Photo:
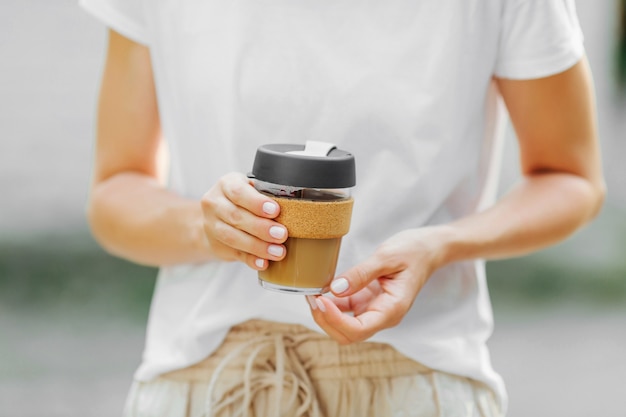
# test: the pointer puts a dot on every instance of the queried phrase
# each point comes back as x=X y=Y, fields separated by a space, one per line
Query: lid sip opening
x=312 y=165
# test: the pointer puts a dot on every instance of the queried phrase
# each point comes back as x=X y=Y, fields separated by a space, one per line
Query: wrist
x=197 y=235
x=447 y=245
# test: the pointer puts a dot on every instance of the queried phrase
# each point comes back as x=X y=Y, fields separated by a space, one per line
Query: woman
x=414 y=89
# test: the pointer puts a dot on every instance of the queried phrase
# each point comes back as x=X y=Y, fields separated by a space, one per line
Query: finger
x=216 y=206
x=356 y=303
x=360 y=276
x=351 y=328
x=239 y=189
x=319 y=311
x=229 y=254
x=344 y=304
x=239 y=218
x=244 y=246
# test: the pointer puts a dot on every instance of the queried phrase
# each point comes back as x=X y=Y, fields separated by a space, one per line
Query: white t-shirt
x=405 y=85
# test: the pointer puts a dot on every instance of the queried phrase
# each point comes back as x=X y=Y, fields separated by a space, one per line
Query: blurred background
x=72 y=318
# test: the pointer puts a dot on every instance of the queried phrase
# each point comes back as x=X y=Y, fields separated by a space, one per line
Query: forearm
x=132 y=216
x=542 y=210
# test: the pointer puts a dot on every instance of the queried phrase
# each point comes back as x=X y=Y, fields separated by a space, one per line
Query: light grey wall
x=50 y=64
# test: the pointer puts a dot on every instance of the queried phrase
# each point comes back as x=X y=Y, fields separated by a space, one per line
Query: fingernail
x=269 y=208
x=320 y=305
x=259 y=263
x=339 y=285
x=277 y=232
x=275 y=250
x=312 y=302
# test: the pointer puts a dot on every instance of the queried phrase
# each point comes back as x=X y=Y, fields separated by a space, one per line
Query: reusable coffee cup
x=312 y=185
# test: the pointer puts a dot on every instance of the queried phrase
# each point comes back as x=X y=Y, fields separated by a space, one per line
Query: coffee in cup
x=312 y=185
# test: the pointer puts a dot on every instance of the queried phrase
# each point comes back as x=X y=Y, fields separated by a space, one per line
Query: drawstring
x=287 y=373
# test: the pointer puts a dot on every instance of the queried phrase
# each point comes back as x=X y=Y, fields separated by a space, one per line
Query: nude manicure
x=320 y=305
x=277 y=232
x=269 y=208
x=275 y=250
x=339 y=285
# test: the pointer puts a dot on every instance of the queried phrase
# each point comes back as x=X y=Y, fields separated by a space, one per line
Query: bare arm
x=131 y=212
x=562 y=186
x=562 y=189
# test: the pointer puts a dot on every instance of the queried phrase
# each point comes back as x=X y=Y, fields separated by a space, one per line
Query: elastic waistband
x=263 y=344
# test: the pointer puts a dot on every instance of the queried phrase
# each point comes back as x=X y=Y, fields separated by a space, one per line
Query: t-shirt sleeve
x=124 y=16
x=538 y=38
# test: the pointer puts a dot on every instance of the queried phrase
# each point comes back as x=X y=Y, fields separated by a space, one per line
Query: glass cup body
x=312 y=248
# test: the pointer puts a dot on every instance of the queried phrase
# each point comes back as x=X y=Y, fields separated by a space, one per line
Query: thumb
x=356 y=278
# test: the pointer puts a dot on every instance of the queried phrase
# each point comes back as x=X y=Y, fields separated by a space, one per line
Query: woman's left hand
x=377 y=293
x=561 y=189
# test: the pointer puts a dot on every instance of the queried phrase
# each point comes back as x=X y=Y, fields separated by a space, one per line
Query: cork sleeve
x=315 y=219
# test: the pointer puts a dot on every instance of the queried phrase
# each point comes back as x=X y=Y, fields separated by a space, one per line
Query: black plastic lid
x=273 y=164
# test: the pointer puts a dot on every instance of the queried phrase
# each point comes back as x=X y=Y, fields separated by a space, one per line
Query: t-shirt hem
x=541 y=68
x=116 y=21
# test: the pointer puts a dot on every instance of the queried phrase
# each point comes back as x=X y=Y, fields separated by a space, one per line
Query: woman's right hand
x=132 y=213
x=238 y=223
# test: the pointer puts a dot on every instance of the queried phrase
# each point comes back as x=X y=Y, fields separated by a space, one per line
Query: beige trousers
x=266 y=369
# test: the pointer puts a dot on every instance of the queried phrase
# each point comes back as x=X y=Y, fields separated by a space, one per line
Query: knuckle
x=233 y=189
x=241 y=256
x=390 y=256
x=361 y=275
x=208 y=203
x=225 y=234
x=386 y=254
x=233 y=216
